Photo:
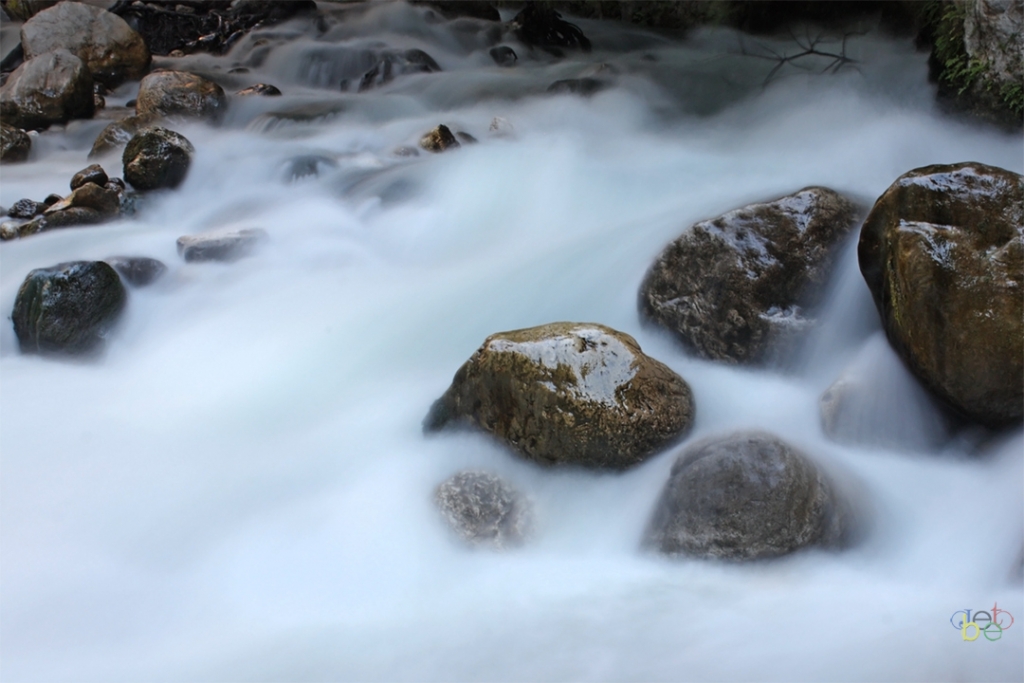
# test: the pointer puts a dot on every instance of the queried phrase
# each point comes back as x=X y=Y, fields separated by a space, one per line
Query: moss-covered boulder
x=942 y=252
x=52 y=88
x=179 y=93
x=733 y=287
x=157 y=158
x=569 y=393
x=483 y=509
x=15 y=144
x=68 y=308
x=112 y=51
x=746 y=496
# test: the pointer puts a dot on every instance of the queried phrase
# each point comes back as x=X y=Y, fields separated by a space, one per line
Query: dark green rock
x=68 y=308
x=157 y=158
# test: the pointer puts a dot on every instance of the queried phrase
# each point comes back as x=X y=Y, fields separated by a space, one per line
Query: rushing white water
x=240 y=488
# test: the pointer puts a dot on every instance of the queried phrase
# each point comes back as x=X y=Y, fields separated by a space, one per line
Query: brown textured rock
x=264 y=89
x=168 y=93
x=112 y=51
x=439 y=140
x=90 y=174
x=483 y=510
x=942 y=252
x=746 y=496
x=733 y=287
x=569 y=393
x=117 y=134
x=15 y=144
x=52 y=88
x=105 y=201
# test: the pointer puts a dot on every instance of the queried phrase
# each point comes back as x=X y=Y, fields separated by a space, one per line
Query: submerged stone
x=746 y=496
x=138 y=271
x=229 y=245
x=483 y=509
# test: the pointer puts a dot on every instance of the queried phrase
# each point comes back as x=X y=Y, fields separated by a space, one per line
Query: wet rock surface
x=15 y=144
x=439 y=139
x=483 y=509
x=117 y=134
x=111 y=50
x=68 y=308
x=746 y=496
x=179 y=93
x=264 y=89
x=226 y=245
x=568 y=393
x=942 y=252
x=138 y=271
x=577 y=86
x=54 y=87
x=541 y=26
x=736 y=287
x=91 y=174
x=394 y=64
x=503 y=55
x=157 y=158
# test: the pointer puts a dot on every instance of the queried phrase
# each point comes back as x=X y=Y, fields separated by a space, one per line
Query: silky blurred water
x=239 y=489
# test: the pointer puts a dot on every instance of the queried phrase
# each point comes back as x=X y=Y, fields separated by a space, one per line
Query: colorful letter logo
x=990 y=624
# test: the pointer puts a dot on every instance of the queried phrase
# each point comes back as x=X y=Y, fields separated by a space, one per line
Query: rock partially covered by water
x=734 y=287
x=52 y=88
x=394 y=64
x=228 y=245
x=264 y=89
x=942 y=252
x=119 y=133
x=15 y=144
x=541 y=26
x=439 y=140
x=569 y=393
x=157 y=158
x=503 y=55
x=746 y=496
x=102 y=199
x=179 y=93
x=138 y=271
x=112 y=51
x=483 y=509
x=67 y=308
x=577 y=86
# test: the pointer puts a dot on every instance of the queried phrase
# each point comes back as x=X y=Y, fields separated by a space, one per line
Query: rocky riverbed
x=388 y=341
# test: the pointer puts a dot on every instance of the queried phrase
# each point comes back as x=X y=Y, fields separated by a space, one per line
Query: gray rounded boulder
x=157 y=158
x=483 y=509
x=52 y=88
x=746 y=496
x=68 y=308
x=113 y=52
x=568 y=393
x=733 y=288
x=942 y=252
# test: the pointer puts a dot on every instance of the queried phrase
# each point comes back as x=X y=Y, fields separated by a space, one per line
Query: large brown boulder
x=110 y=48
x=569 y=393
x=179 y=93
x=734 y=287
x=746 y=496
x=51 y=88
x=942 y=252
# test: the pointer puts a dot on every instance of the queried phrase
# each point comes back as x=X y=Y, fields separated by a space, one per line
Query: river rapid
x=240 y=489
